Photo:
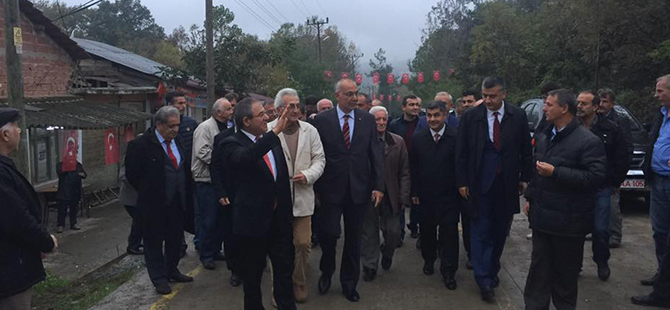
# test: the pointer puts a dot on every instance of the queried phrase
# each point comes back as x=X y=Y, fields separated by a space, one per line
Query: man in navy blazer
x=353 y=178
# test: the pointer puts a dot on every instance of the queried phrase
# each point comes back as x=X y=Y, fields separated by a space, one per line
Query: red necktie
x=345 y=132
x=437 y=138
x=266 y=158
x=496 y=132
x=171 y=155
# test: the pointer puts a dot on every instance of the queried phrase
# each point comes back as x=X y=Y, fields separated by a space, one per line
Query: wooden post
x=13 y=51
x=209 y=25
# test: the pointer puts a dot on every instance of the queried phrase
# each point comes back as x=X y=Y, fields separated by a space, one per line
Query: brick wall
x=47 y=68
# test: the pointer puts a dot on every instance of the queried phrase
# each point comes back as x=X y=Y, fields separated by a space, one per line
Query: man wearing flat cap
x=22 y=236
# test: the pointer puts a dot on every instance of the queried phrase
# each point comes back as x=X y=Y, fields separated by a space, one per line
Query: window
x=44 y=155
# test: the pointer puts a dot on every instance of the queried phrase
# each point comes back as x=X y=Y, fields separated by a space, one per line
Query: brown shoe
x=300 y=292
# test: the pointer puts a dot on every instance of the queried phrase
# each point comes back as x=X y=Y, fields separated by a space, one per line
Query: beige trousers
x=302 y=240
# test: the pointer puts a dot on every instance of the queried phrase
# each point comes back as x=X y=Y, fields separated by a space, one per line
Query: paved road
x=405 y=286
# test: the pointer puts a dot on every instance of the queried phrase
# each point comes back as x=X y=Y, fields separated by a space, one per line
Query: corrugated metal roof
x=75 y=113
x=120 y=56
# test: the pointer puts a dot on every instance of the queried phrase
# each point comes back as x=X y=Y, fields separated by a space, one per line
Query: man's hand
x=55 y=243
x=522 y=188
x=544 y=169
x=224 y=201
x=281 y=122
x=415 y=200
x=377 y=197
x=526 y=208
x=465 y=192
x=300 y=179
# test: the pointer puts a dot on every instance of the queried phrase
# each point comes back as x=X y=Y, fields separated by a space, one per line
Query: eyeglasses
x=351 y=94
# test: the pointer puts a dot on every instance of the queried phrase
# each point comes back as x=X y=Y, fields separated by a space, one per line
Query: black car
x=634 y=184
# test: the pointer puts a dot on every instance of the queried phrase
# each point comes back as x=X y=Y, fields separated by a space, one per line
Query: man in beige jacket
x=208 y=212
x=305 y=160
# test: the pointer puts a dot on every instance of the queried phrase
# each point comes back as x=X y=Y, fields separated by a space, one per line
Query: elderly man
x=156 y=167
x=208 y=208
x=262 y=206
x=22 y=235
x=305 y=160
x=570 y=165
x=353 y=176
x=396 y=195
x=271 y=110
x=323 y=105
x=445 y=97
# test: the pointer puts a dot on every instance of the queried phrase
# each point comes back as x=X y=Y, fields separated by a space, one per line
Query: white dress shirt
x=491 y=118
x=441 y=132
x=340 y=116
x=270 y=154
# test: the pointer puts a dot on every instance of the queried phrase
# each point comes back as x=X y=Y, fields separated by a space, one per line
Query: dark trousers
x=279 y=247
x=601 y=233
x=465 y=224
x=414 y=217
x=662 y=285
x=210 y=214
x=135 y=236
x=63 y=206
x=489 y=232
x=329 y=232
x=554 y=272
x=231 y=242
x=162 y=231
x=439 y=237
x=376 y=218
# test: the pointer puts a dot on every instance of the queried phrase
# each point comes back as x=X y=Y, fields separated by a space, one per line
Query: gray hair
x=376 y=109
x=665 y=79
x=444 y=93
x=338 y=86
x=218 y=105
x=164 y=113
x=279 y=99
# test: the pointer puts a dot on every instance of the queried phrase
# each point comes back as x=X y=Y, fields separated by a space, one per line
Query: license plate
x=632 y=184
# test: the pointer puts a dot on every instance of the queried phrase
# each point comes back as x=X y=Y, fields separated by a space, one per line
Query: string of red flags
x=405 y=78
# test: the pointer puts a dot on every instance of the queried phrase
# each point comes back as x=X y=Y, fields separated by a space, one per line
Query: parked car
x=634 y=184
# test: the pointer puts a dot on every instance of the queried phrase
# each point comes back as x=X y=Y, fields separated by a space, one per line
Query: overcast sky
x=394 y=25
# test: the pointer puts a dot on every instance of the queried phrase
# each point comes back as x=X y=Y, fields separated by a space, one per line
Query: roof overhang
x=114 y=91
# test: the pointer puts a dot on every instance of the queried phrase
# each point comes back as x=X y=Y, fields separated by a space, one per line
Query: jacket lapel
x=509 y=114
x=481 y=134
x=302 y=139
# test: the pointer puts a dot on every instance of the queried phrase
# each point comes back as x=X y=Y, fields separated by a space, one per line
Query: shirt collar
x=441 y=132
x=251 y=137
x=160 y=138
x=500 y=111
x=341 y=114
x=664 y=111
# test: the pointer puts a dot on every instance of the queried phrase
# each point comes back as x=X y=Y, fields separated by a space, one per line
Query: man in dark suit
x=156 y=168
x=262 y=206
x=432 y=165
x=354 y=176
x=494 y=164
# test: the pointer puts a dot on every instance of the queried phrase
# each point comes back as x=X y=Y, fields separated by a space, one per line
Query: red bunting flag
x=359 y=78
x=111 y=147
x=419 y=77
x=398 y=98
x=162 y=90
x=375 y=78
x=328 y=75
x=436 y=76
x=344 y=75
x=405 y=78
x=381 y=97
x=452 y=71
x=374 y=96
x=390 y=78
x=70 y=151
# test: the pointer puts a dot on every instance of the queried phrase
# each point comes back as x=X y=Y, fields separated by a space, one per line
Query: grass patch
x=59 y=294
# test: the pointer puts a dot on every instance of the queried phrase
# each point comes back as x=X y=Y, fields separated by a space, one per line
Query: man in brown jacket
x=396 y=195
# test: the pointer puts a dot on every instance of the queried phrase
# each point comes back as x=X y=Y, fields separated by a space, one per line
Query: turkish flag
x=398 y=98
x=130 y=134
x=111 y=147
x=162 y=90
x=328 y=75
x=419 y=77
x=452 y=71
x=374 y=96
x=436 y=76
x=375 y=78
x=359 y=78
x=344 y=75
x=390 y=78
x=405 y=78
x=70 y=150
x=381 y=97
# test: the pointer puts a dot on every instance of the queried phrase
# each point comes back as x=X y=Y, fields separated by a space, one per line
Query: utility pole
x=209 y=25
x=597 y=77
x=13 y=51
x=318 y=24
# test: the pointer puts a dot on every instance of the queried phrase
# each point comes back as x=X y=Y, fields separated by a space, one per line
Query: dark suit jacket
x=396 y=171
x=359 y=169
x=433 y=170
x=653 y=135
x=517 y=157
x=254 y=188
x=218 y=167
x=145 y=171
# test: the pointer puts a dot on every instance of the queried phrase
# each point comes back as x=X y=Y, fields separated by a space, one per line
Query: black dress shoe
x=386 y=263
x=369 y=274
x=219 y=256
x=324 y=284
x=651 y=281
x=352 y=295
x=468 y=264
x=603 y=271
x=135 y=251
x=163 y=289
x=450 y=282
x=209 y=265
x=487 y=294
x=648 y=300
x=179 y=277
x=75 y=227
x=428 y=268
x=496 y=282
x=235 y=280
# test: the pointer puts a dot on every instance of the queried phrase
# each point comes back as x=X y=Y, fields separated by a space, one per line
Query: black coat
x=218 y=168
x=618 y=157
x=655 y=128
x=563 y=204
x=22 y=235
x=517 y=157
x=433 y=170
x=357 y=170
x=69 y=183
x=254 y=189
x=145 y=171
